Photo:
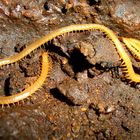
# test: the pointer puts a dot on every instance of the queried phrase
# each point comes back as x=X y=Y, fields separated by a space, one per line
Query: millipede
x=6 y=100
x=127 y=67
x=133 y=45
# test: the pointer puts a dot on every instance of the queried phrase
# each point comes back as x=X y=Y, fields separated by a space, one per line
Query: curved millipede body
x=129 y=72
x=31 y=89
x=133 y=45
x=126 y=64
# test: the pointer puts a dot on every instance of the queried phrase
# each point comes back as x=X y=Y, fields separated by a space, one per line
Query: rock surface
x=83 y=96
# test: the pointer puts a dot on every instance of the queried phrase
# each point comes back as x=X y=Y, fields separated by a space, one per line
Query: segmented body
x=128 y=69
x=31 y=89
x=133 y=45
x=126 y=64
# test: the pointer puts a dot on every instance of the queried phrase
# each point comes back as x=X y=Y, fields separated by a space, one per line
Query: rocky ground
x=84 y=97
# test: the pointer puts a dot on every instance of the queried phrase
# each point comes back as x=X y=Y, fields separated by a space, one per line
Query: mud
x=84 y=96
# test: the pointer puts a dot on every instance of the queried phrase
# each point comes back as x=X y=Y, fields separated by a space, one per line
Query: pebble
x=74 y=91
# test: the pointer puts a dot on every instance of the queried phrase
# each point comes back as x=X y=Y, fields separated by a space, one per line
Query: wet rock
x=75 y=92
x=112 y=99
x=128 y=12
x=125 y=14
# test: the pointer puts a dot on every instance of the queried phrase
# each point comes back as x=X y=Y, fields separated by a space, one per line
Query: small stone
x=87 y=49
x=68 y=69
x=83 y=109
x=109 y=109
x=74 y=91
x=82 y=76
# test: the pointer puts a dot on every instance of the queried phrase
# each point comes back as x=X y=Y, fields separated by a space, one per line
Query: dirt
x=84 y=97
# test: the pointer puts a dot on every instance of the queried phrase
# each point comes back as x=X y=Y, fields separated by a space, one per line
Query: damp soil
x=84 y=96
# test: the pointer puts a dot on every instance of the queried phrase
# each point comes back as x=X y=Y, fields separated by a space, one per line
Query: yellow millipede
x=126 y=62
x=133 y=45
x=6 y=100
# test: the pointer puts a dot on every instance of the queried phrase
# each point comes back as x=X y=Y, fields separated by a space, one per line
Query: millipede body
x=127 y=67
x=31 y=89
